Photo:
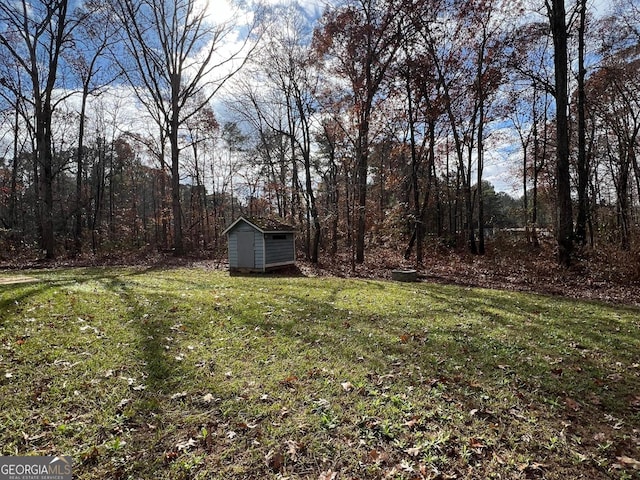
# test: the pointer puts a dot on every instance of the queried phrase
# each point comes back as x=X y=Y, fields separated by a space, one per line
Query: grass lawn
x=188 y=373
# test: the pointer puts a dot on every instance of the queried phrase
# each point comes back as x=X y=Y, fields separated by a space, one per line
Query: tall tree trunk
x=45 y=156
x=315 y=243
x=77 y=231
x=417 y=217
x=362 y=169
x=583 y=168
x=13 y=194
x=178 y=242
x=480 y=151
x=564 y=209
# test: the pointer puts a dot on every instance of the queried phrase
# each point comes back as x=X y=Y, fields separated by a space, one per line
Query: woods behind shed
x=258 y=244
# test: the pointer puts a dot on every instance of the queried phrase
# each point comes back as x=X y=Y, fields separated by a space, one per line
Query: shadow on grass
x=482 y=350
x=549 y=349
x=150 y=319
x=290 y=271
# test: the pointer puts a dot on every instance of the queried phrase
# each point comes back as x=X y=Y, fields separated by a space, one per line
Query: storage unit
x=258 y=244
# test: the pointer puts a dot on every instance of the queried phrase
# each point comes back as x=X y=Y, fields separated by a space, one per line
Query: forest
x=150 y=125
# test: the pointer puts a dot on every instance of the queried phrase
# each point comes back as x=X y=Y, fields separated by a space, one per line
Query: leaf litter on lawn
x=438 y=381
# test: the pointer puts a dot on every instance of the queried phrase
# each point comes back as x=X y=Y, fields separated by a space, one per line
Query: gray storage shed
x=259 y=244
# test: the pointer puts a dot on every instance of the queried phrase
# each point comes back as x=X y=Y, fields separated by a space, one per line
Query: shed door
x=246 y=249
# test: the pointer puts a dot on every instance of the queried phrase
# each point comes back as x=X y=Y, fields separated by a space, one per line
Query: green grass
x=190 y=373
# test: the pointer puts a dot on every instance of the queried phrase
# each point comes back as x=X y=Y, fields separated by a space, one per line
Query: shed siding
x=269 y=249
x=233 y=250
x=233 y=246
x=259 y=250
x=279 y=250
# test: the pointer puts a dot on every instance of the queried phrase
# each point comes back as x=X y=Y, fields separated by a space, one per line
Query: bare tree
x=279 y=102
x=360 y=41
x=87 y=60
x=564 y=209
x=176 y=64
x=35 y=35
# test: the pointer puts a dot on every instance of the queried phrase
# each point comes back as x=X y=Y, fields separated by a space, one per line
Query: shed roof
x=264 y=225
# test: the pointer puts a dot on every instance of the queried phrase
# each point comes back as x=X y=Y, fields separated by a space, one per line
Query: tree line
x=146 y=124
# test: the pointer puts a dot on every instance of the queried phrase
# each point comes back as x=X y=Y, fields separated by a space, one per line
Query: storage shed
x=259 y=244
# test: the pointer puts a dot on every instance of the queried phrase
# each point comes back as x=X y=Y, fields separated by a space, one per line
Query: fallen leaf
x=405 y=337
x=347 y=386
x=293 y=448
x=275 y=460
x=413 y=451
x=179 y=395
x=184 y=446
x=91 y=455
x=170 y=456
x=599 y=437
x=289 y=381
x=411 y=422
x=328 y=475
x=629 y=462
x=378 y=457
x=572 y=404
x=208 y=398
x=533 y=466
x=475 y=443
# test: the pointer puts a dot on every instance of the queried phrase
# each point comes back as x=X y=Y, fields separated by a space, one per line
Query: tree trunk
x=583 y=168
x=13 y=194
x=45 y=156
x=479 y=180
x=77 y=231
x=362 y=169
x=176 y=210
x=564 y=209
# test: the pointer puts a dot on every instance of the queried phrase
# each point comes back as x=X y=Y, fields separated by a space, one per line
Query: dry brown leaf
x=293 y=448
x=347 y=386
x=186 y=445
x=289 y=381
x=275 y=461
x=475 y=443
x=572 y=404
x=413 y=451
x=411 y=422
x=378 y=456
x=629 y=462
x=328 y=475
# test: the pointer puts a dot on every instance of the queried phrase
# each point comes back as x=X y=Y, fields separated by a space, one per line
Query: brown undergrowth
x=603 y=274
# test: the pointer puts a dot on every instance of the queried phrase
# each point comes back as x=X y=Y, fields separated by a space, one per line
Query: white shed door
x=246 y=247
